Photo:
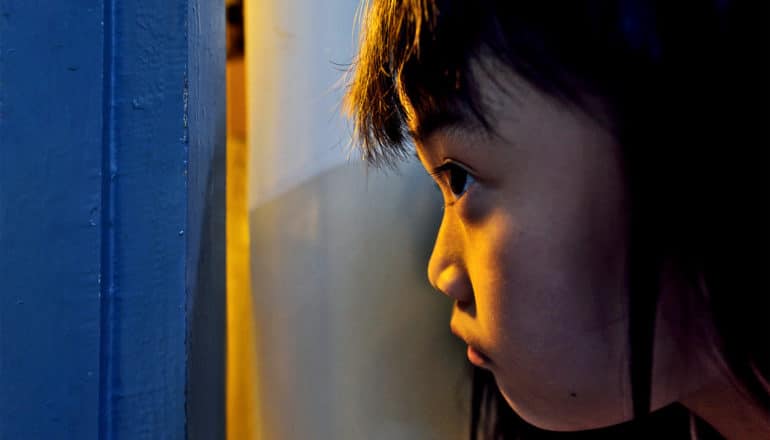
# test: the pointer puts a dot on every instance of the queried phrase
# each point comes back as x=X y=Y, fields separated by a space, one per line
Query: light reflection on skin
x=534 y=254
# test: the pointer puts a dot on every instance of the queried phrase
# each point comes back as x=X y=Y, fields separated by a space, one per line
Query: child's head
x=601 y=186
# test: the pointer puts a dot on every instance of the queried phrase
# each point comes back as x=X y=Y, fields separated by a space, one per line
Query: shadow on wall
x=352 y=341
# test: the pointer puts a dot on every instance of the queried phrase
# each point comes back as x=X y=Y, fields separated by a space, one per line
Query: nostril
x=464 y=305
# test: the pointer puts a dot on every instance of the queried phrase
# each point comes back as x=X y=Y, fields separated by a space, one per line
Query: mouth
x=477 y=358
x=475 y=355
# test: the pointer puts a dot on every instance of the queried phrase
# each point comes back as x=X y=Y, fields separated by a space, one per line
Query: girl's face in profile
x=532 y=247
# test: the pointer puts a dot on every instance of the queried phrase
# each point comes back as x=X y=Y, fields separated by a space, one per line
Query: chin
x=562 y=417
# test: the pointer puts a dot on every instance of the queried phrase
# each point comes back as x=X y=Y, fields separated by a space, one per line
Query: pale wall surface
x=295 y=52
x=352 y=343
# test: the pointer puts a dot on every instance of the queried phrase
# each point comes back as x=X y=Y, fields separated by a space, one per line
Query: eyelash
x=459 y=178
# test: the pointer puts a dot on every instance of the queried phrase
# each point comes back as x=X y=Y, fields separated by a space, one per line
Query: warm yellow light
x=241 y=383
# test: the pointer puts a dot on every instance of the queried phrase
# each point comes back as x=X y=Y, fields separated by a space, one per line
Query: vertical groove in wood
x=206 y=237
x=106 y=279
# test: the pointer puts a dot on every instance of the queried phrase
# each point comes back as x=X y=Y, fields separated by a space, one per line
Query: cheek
x=528 y=286
x=556 y=333
x=490 y=259
x=547 y=269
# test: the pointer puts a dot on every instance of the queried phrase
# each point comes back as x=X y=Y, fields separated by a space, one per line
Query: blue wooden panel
x=110 y=227
x=206 y=220
x=50 y=196
x=143 y=352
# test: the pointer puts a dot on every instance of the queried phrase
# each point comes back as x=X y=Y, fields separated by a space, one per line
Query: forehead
x=521 y=122
x=494 y=97
x=425 y=130
x=495 y=116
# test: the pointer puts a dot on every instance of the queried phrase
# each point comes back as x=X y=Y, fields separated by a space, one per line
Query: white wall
x=352 y=342
x=294 y=98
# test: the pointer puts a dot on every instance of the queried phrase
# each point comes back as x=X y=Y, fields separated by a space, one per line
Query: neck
x=729 y=411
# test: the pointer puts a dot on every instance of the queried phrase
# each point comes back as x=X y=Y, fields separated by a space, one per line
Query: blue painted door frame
x=112 y=290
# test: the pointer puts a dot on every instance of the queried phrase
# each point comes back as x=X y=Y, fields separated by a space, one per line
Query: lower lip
x=476 y=357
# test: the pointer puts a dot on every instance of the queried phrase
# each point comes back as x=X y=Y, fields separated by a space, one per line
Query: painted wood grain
x=111 y=176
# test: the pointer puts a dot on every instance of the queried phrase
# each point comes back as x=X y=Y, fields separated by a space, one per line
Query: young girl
x=604 y=236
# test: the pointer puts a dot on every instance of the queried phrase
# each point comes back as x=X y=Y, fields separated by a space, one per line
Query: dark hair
x=687 y=86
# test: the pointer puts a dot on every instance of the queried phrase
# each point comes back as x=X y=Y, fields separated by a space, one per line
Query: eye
x=457 y=178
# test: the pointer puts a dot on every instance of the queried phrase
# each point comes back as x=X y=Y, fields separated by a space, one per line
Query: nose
x=446 y=268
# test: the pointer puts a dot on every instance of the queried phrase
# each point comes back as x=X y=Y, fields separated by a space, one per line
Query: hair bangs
x=404 y=74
